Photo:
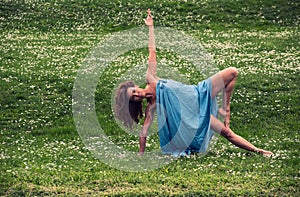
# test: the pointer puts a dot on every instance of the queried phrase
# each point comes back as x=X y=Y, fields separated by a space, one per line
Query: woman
x=186 y=113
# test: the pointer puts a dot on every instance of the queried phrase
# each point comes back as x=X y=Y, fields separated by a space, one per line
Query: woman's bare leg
x=235 y=139
x=224 y=81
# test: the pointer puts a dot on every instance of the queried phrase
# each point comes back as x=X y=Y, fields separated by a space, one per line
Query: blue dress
x=183 y=113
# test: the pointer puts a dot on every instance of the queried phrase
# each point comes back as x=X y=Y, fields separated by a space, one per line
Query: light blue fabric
x=183 y=113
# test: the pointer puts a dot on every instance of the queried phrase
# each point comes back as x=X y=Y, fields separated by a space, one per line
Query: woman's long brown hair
x=125 y=107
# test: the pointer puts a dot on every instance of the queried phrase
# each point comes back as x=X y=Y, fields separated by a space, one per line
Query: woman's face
x=135 y=93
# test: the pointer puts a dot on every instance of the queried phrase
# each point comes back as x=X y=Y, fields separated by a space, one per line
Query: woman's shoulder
x=153 y=82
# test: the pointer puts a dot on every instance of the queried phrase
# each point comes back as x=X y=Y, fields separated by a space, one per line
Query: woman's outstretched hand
x=149 y=20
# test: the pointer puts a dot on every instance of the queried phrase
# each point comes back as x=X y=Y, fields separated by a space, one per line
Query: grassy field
x=43 y=44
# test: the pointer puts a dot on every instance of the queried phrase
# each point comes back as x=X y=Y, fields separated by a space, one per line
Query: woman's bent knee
x=233 y=71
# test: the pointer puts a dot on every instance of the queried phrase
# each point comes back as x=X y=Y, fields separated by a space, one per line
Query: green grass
x=42 y=46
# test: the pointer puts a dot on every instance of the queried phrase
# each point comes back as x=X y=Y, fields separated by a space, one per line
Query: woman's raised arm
x=151 y=71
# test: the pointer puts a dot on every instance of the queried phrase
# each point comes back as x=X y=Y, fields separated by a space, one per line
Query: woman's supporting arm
x=147 y=123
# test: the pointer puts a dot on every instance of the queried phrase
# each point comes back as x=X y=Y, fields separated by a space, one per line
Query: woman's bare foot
x=265 y=153
x=225 y=115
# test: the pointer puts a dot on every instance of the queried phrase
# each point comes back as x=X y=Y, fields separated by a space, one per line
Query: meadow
x=43 y=44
